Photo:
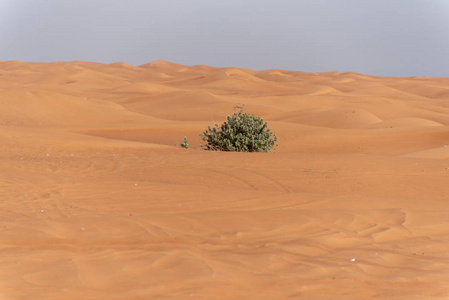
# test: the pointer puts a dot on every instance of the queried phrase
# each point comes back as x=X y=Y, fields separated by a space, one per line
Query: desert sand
x=98 y=201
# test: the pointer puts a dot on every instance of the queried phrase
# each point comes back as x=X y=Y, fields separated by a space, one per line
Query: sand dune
x=99 y=202
x=335 y=118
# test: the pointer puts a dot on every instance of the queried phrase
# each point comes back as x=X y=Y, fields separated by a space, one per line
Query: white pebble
x=353 y=259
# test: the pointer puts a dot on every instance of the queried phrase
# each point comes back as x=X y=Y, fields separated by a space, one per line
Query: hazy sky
x=378 y=37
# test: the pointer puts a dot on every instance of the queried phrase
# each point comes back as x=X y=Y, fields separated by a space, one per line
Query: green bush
x=185 y=144
x=242 y=132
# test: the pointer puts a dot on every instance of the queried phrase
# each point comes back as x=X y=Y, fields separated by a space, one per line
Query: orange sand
x=97 y=201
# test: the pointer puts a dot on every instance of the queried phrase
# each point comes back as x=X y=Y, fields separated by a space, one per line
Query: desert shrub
x=242 y=132
x=185 y=144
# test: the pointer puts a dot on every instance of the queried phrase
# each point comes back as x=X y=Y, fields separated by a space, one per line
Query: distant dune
x=99 y=201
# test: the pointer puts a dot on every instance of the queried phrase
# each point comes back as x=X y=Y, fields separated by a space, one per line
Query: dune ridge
x=99 y=201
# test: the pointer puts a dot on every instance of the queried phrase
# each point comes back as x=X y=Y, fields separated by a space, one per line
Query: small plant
x=242 y=132
x=185 y=144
